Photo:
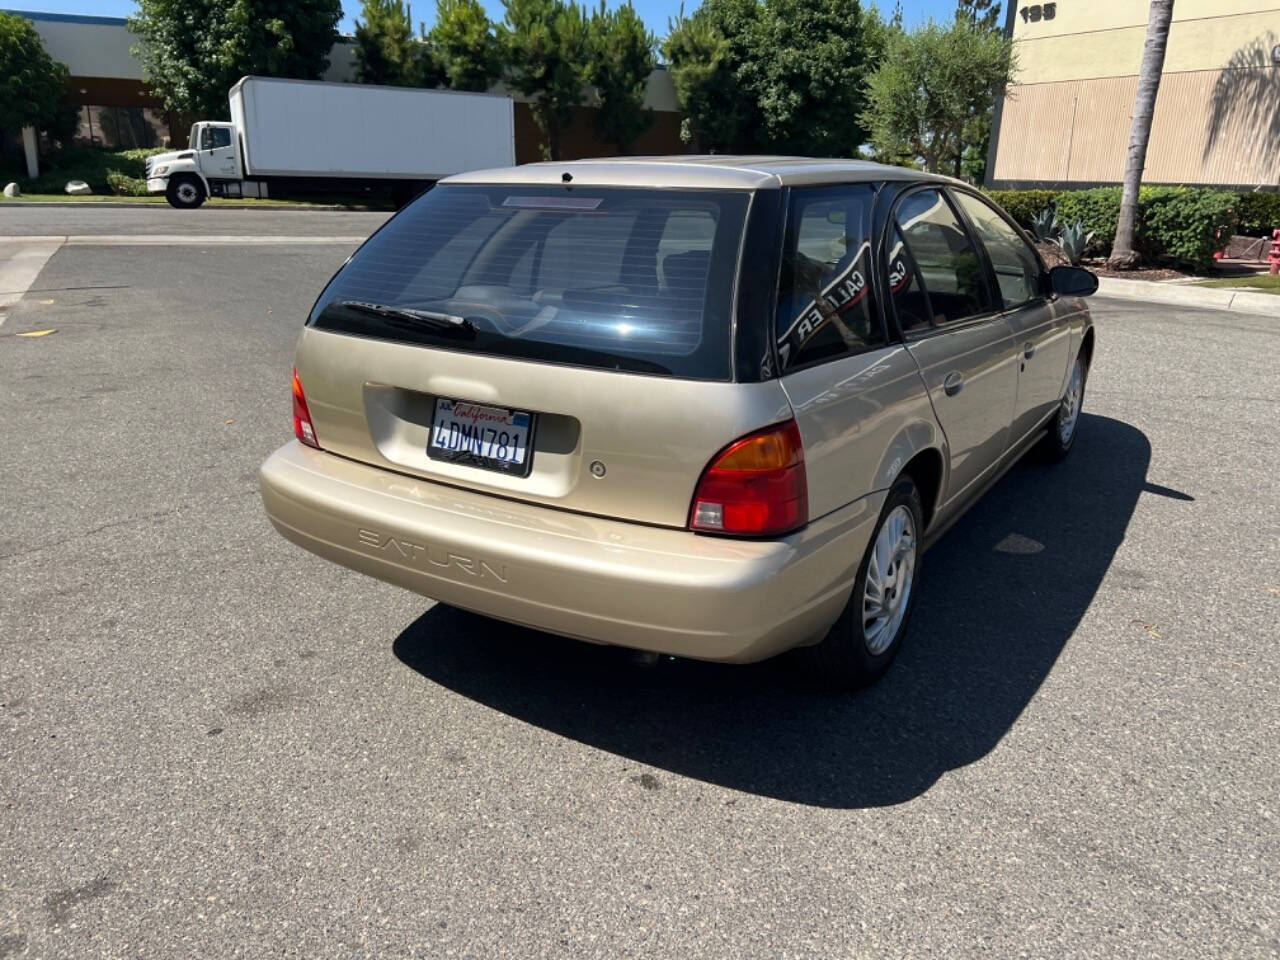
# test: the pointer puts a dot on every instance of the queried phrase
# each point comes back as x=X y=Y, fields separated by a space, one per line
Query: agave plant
x=1044 y=225
x=1074 y=241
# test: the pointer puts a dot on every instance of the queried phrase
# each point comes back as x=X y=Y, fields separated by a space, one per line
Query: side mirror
x=1072 y=282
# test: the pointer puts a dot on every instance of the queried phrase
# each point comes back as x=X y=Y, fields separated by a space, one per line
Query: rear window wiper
x=441 y=321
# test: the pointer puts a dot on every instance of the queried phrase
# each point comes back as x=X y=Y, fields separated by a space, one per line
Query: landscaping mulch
x=1139 y=273
x=1054 y=257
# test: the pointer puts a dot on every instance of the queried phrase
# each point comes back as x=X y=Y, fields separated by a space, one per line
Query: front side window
x=612 y=278
x=1016 y=265
x=825 y=307
x=215 y=138
x=949 y=265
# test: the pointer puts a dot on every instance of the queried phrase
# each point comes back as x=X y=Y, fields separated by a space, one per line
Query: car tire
x=861 y=645
x=1065 y=425
x=185 y=193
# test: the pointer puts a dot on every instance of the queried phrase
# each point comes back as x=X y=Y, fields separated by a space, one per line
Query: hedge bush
x=123 y=185
x=1180 y=224
x=1024 y=205
x=1098 y=209
x=1185 y=225
x=1258 y=214
x=90 y=164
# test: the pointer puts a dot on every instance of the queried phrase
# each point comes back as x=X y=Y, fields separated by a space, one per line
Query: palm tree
x=1144 y=107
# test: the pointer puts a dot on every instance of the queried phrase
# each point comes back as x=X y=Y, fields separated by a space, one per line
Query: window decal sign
x=845 y=291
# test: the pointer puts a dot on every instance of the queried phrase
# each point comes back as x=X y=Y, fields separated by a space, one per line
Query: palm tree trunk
x=1144 y=108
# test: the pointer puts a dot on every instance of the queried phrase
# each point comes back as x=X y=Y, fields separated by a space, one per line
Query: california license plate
x=494 y=438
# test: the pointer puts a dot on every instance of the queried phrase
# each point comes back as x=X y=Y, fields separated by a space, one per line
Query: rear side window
x=910 y=302
x=948 y=262
x=825 y=307
x=625 y=279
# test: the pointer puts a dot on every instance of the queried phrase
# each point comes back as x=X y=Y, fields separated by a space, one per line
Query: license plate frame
x=472 y=459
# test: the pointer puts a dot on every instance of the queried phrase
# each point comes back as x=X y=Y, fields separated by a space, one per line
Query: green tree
x=776 y=75
x=924 y=97
x=465 y=46
x=703 y=66
x=194 y=51
x=805 y=70
x=877 y=32
x=621 y=59
x=545 y=46
x=387 y=51
x=984 y=14
x=33 y=85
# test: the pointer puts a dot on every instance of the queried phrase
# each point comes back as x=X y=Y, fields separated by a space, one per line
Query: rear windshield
x=617 y=279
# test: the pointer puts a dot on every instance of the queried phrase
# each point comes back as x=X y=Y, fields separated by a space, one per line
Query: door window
x=948 y=262
x=825 y=307
x=1017 y=266
x=215 y=138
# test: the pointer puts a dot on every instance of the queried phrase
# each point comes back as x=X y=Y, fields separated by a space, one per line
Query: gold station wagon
x=713 y=407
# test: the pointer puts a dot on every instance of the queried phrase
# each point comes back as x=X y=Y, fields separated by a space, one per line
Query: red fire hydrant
x=1275 y=253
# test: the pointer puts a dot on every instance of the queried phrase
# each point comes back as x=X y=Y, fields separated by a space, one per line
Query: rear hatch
x=564 y=346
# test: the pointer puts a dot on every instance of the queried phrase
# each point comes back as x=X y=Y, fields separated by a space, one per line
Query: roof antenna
x=566 y=177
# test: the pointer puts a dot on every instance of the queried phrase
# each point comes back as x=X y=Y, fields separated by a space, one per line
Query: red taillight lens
x=755 y=487
x=302 y=428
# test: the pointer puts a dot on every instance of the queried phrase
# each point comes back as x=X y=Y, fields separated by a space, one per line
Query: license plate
x=494 y=438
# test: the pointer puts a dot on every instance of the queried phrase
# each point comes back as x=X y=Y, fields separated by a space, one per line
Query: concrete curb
x=115 y=205
x=1180 y=294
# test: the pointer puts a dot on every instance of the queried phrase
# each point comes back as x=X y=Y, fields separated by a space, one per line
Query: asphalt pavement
x=213 y=744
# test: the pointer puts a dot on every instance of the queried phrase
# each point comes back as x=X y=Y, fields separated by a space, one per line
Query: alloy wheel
x=890 y=572
x=1070 y=412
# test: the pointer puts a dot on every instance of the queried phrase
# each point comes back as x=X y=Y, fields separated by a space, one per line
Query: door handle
x=953 y=384
x=1029 y=350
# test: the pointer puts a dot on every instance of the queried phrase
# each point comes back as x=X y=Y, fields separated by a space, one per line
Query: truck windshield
x=625 y=279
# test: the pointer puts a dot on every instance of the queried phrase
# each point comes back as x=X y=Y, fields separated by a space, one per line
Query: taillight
x=302 y=428
x=756 y=486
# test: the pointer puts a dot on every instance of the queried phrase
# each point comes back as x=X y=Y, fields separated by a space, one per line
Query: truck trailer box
x=303 y=128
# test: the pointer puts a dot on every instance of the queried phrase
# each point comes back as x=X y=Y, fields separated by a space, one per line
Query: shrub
x=1023 y=205
x=1185 y=225
x=90 y=164
x=1257 y=214
x=123 y=185
x=1096 y=210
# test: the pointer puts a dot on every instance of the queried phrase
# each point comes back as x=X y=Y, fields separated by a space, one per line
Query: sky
x=654 y=12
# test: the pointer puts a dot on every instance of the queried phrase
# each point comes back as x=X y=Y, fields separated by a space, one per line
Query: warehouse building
x=117 y=110
x=1065 y=120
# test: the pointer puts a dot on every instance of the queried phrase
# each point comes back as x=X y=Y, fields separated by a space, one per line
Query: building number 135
x=1039 y=11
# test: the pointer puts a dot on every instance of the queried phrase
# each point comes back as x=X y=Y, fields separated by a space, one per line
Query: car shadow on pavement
x=1002 y=594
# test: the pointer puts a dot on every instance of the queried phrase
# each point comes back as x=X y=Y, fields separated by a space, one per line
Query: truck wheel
x=185 y=193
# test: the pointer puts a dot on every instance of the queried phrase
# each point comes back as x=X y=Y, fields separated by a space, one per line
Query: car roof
x=712 y=171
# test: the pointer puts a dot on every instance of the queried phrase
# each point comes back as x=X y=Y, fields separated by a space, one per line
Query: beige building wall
x=1065 y=118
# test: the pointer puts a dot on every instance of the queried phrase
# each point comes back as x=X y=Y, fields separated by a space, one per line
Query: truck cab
x=210 y=166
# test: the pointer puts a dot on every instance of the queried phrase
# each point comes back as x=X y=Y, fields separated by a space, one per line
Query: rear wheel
x=185 y=193
x=866 y=638
x=1063 y=427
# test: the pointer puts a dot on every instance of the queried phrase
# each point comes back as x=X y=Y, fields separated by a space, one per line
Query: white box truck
x=294 y=137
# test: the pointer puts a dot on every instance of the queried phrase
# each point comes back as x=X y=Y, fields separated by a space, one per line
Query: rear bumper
x=606 y=581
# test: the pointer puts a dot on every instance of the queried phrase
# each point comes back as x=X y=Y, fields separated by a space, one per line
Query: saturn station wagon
x=714 y=407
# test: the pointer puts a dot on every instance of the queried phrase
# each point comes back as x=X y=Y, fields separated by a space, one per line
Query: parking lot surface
x=213 y=744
